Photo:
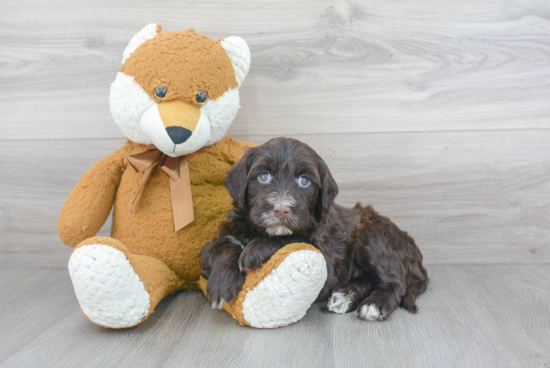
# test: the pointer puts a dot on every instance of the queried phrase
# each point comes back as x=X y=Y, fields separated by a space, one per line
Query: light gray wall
x=436 y=112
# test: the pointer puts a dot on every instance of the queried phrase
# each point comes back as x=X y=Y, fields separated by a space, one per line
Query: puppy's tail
x=416 y=287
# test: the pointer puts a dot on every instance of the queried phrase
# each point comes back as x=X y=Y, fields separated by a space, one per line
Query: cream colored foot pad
x=284 y=296
x=109 y=291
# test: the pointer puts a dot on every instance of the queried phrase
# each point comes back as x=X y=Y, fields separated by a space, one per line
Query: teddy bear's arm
x=89 y=203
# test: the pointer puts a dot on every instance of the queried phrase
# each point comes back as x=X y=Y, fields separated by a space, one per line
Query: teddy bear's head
x=178 y=90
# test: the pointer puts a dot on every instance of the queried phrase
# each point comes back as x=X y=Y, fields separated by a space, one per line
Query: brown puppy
x=284 y=193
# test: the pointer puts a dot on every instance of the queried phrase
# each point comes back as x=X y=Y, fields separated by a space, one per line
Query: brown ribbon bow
x=177 y=169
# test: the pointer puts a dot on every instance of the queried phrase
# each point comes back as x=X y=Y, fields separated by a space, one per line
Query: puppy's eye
x=264 y=178
x=160 y=92
x=201 y=98
x=303 y=181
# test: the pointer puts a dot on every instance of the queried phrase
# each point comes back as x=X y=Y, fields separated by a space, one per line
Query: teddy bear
x=174 y=98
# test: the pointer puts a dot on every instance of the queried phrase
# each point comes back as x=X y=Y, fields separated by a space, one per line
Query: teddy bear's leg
x=279 y=293
x=115 y=288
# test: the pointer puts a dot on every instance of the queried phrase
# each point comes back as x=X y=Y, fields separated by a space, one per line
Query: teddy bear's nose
x=178 y=134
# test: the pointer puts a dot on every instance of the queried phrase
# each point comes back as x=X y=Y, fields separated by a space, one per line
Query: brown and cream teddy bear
x=174 y=98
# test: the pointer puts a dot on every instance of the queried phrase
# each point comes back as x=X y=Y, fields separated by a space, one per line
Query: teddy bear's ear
x=239 y=53
x=148 y=32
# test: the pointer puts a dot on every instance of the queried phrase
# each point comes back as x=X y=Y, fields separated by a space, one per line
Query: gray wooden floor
x=471 y=316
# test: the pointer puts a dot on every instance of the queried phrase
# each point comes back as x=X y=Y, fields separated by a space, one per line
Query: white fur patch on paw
x=371 y=313
x=109 y=291
x=340 y=303
x=219 y=305
x=284 y=296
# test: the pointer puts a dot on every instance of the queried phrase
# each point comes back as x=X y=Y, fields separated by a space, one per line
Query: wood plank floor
x=471 y=316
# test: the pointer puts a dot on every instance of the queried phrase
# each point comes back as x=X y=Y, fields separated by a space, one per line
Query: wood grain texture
x=436 y=112
x=32 y=194
x=466 y=197
x=323 y=66
x=471 y=316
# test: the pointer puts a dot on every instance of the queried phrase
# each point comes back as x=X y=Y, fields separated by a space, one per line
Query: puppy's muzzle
x=180 y=119
x=281 y=211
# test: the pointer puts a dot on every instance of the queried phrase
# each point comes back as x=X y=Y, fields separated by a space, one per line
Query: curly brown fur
x=373 y=266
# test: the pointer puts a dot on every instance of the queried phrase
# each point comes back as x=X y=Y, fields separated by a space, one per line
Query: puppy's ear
x=329 y=188
x=236 y=182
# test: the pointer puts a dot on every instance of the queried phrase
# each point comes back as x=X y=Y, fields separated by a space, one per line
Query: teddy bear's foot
x=280 y=293
x=115 y=288
x=287 y=292
x=108 y=289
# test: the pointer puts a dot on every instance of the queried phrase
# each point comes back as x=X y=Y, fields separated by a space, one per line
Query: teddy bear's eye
x=160 y=92
x=201 y=97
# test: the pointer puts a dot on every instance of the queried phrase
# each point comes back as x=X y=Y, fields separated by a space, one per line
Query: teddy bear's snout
x=179 y=118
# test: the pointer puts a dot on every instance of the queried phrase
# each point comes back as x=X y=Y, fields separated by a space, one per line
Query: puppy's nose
x=281 y=210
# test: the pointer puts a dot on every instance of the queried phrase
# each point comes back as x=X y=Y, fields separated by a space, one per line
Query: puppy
x=284 y=193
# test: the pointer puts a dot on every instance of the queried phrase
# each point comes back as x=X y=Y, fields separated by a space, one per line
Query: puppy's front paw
x=371 y=312
x=224 y=285
x=340 y=303
x=249 y=260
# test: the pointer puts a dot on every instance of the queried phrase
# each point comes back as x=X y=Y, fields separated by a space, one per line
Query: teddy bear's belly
x=148 y=228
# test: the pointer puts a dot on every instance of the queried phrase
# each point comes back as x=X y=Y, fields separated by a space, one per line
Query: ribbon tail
x=182 y=201
x=146 y=174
